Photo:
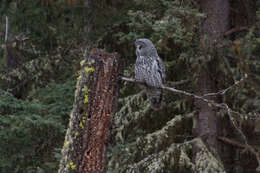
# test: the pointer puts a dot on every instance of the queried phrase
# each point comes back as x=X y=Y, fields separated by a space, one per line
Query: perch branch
x=178 y=82
x=130 y=80
x=210 y=102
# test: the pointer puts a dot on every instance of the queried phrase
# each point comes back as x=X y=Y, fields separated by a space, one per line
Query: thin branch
x=178 y=82
x=222 y=92
x=210 y=102
x=6 y=28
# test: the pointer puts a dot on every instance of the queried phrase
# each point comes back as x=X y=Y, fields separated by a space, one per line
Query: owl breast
x=147 y=71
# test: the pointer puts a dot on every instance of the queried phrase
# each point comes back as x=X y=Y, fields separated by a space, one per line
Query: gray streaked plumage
x=150 y=70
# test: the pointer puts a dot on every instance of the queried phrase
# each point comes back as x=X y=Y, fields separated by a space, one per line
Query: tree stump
x=84 y=150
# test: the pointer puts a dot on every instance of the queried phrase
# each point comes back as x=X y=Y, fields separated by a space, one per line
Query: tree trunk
x=84 y=149
x=206 y=121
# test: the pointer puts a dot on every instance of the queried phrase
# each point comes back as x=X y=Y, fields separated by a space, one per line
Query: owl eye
x=140 y=46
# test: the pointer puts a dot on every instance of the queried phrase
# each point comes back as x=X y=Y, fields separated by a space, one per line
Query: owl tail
x=155 y=96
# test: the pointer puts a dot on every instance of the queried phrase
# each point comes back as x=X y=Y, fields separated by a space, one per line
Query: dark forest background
x=40 y=64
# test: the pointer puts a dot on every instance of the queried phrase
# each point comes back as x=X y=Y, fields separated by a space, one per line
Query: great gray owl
x=150 y=70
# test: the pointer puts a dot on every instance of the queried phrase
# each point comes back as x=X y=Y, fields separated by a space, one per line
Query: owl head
x=144 y=47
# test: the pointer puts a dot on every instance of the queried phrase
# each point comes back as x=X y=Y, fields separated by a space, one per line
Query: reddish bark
x=102 y=101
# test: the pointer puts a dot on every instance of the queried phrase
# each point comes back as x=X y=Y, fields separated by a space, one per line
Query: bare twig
x=222 y=92
x=210 y=102
x=6 y=28
x=229 y=111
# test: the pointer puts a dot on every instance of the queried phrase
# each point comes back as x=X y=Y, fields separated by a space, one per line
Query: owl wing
x=139 y=70
x=161 y=68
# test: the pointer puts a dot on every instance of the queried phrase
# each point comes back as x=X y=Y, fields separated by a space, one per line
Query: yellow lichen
x=89 y=69
x=86 y=94
x=81 y=125
x=86 y=99
x=84 y=120
x=76 y=133
x=72 y=165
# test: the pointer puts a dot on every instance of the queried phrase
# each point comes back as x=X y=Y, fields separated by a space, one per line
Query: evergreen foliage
x=37 y=96
x=31 y=131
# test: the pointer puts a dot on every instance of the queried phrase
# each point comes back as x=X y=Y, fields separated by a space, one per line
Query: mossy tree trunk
x=88 y=133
